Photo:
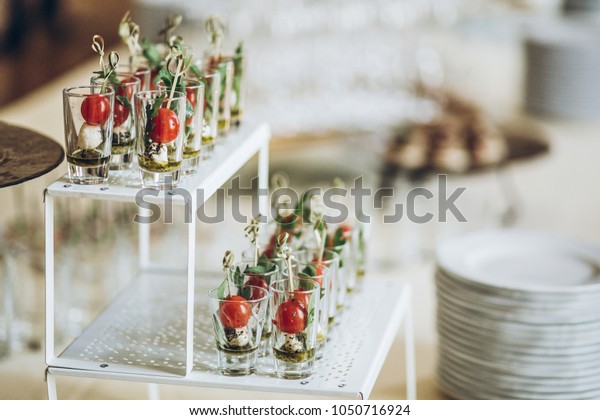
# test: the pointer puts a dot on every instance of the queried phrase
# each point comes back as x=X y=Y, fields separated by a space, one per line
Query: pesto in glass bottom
x=150 y=165
x=190 y=152
x=298 y=357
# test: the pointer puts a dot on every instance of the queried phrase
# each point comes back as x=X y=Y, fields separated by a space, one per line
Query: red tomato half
x=95 y=109
x=126 y=90
x=235 y=312
x=302 y=297
x=166 y=126
x=260 y=282
x=291 y=317
x=121 y=113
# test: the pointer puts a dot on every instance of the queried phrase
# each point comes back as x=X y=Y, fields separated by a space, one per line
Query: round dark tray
x=25 y=155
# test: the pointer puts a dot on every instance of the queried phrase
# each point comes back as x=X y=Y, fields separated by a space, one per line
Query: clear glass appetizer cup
x=295 y=314
x=238 y=89
x=210 y=115
x=347 y=272
x=321 y=274
x=139 y=70
x=224 y=66
x=238 y=321
x=160 y=118
x=88 y=122
x=261 y=274
x=192 y=148
x=125 y=85
x=337 y=285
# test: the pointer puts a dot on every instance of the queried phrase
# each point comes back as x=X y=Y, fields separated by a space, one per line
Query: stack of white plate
x=518 y=316
x=570 y=6
x=562 y=59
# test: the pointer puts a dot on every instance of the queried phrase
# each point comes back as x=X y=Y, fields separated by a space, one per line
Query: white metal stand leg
x=409 y=348
x=49 y=250
x=263 y=180
x=153 y=392
x=51 y=386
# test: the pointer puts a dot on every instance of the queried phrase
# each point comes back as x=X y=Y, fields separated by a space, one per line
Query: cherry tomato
x=291 y=317
x=191 y=96
x=257 y=281
x=344 y=232
x=269 y=251
x=235 y=312
x=125 y=89
x=318 y=270
x=302 y=297
x=121 y=113
x=166 y=126
x=192 y=99
x=95 y=109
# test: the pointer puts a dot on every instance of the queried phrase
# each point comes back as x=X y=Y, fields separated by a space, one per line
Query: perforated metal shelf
x=228 y=158
x=141 y=337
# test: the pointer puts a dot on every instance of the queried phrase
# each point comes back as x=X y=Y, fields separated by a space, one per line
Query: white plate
x=519 y=297
x=509 y=350
x=483 y=383
x=520 y=369
x=513 y=361
x=526 y=261
x=557 y=335
x=506 y=309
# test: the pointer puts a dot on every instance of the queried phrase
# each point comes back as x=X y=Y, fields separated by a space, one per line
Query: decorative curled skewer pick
x=227 y=263
x=216 y=28
x=279 y=180
x=113 y=60
x=129 y=31
x=320 y=230
x=251 y=232
x=285 y=253
x=172 y=21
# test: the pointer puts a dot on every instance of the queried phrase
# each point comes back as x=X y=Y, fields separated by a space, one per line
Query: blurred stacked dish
x=570 y=6
x=518 y=316
x=562 y=62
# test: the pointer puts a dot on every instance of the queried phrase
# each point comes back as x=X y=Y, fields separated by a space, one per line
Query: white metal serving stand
x=155 y=330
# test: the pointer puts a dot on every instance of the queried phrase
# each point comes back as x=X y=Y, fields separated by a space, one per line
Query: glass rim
x=264 y=297
x=147 y=94
x=139 y=68
x=130 y=75
x=275 y=269
x=316 y=286
x=329 y=251
x=196 y=83
x=71 y=90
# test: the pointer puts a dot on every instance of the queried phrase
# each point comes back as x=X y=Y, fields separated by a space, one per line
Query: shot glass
x=160 y=118
x=125 y=85
x=337 y=285
x=238 y=89
x=261 y=274
x=224 y=66
x=295 y=315
x=140 y=70
x=347 y=268
x=238 y=321
x=88 y=123
x=210 y=115
x=224 y=123
x=360 y=248
x=192 y=147
x=321 y=274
